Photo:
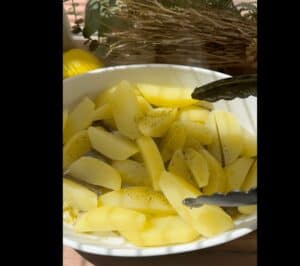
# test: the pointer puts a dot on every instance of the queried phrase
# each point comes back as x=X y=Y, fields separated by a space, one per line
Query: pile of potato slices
x=131 y=156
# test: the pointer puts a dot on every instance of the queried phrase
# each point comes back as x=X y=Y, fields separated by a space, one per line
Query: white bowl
x=90 y=84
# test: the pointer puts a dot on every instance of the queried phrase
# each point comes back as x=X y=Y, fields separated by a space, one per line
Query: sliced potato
x=173 y=140
x=70 y=214
x=206 y=105
x=156 y=122
x=251 y=179
x=137 y=91
x=213 y=220
x=198 y=166
x=109 y=124
x=78 y=196
x=108 y=218
x=65 y=118
x=137 y=157
x=165 y=96
x=80 y=118
x=215 y=146
x=197 y=133
x=143 y=199
x=231 y=135
x=178 y=166
x=207 y=220
x=250 y=145
x=96 y=172
x=193 y=113
x=103 y=112
x=152 y=158
x=132 y=172
x=167 y=230
x=236 y=173
x=77 y=145
x=250 y=209
x=217 y=179
x=144 y=106
x=125 y=110
x=110 y=145
x=104 y=97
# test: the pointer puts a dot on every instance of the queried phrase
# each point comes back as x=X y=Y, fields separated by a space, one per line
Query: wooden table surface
x=240 y=252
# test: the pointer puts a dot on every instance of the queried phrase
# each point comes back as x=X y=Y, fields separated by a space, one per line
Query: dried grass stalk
x=209 y=37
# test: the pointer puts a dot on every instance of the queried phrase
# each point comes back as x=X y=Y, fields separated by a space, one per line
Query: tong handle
x=231 y=199
x=241 y=86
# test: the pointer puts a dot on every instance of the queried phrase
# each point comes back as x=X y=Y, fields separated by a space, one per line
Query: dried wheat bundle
x=202 y=36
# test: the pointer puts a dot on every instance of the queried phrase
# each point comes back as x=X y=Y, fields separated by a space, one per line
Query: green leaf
x=112 y=2
x=115 y=22
x=102 y=29
x=92 y=18
x=101 y=51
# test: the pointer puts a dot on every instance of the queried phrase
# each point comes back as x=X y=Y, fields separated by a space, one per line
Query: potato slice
x=236 y=173
x=102 y=112
x=156 y=122
x=110 y=145
x=80 y=118
x=144 y=106
x=193 y=113
x=165 y=96
x=205 y=105
x=96 y=172
x=207 y=220
x=78 y=196
x=251 y=179
x=107 y=218
x=161 y=231
x=250 y=145
x=152 y=158
x=198 y=166
x=215 y=146
x=197 y=133
x=143 y=199
x=137 y=91
x=78 y=145
x=173 y=140
x=65 y=118
x=70 y=214
x=231 y=135
x=125 y=110
x=104 y=97
x=137 y=157
x=178 y=166
x=132 y=172
x=109 y=124
x=217 y=179
x=250 y=209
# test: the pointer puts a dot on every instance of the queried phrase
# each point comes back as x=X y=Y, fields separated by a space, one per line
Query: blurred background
x=217 y=34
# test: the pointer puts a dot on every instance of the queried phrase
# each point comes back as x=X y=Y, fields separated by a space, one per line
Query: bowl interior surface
x=90 y=84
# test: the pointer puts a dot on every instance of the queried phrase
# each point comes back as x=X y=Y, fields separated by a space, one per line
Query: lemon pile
x=78 y=61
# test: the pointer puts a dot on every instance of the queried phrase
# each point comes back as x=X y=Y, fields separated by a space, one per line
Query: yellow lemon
x=77 y=61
